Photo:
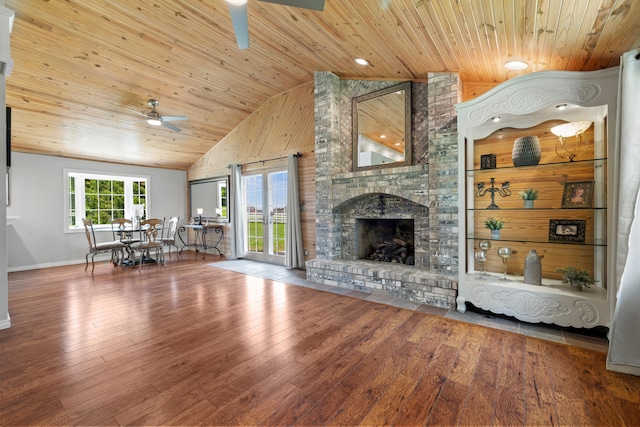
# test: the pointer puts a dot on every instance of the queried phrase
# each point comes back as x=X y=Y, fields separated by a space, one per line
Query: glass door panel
x=277 y=208
x=254 y=198
x=266 y=204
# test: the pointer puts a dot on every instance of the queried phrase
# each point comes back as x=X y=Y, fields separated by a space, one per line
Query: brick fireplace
x=424 y=194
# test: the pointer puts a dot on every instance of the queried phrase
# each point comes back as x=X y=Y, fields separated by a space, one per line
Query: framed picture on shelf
x=577 y=194
x=567 y=230
x=487 y=161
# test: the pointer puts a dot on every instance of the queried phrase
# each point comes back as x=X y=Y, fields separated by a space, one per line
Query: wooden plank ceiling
x=84 y=68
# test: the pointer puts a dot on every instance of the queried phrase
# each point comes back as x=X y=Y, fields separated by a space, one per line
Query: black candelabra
x=504 y=191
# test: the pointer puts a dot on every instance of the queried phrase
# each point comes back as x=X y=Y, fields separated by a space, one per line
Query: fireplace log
x=397 y=252
x=377 y=246
x=400 y=242
x=389 y=249
x=394 y=250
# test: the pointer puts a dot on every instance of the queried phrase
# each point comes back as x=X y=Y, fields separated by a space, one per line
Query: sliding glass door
x=266 y=215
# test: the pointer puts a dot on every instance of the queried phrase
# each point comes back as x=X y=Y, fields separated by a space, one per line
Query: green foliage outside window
x=104 y=200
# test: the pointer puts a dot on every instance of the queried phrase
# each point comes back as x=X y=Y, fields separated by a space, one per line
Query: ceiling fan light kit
x=154 y=118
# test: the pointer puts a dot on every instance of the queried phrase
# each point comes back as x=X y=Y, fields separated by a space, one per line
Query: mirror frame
x=192 y=209
x=408 y=146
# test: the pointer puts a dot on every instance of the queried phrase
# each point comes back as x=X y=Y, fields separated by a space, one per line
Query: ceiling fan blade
x=135 y=111
x=170 y=126
x=304 y=4
x=173 y=118
x=240 y=24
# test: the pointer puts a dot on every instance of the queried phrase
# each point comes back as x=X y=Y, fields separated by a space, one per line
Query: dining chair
x=122 y=229
x=169 y=238
x=115 y=247
x=150 y=241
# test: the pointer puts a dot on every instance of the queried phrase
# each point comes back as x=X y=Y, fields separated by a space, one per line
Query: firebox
x=386 y=240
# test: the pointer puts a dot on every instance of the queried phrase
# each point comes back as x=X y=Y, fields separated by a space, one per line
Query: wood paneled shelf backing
x=527 y=229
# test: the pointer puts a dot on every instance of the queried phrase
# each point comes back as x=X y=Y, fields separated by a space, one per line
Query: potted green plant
x=495 y=225
x=577 y=279
x=529 y=195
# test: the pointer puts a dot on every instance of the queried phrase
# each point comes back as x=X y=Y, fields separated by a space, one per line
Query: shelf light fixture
x=566 y=131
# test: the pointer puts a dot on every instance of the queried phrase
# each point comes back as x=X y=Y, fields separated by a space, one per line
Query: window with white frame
x=102 y=197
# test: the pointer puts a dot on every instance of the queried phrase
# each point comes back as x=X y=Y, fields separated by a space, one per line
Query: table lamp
x=200 y=211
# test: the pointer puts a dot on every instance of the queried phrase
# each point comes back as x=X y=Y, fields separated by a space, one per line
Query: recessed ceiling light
x=383 y=136
x=496 y=119
x=362 y=61
x=561 y=106
x=516 y=65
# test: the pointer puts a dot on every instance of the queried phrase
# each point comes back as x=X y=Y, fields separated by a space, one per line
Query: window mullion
x=80 y=200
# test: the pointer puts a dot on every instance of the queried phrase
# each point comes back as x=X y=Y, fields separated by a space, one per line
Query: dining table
x=129 y=236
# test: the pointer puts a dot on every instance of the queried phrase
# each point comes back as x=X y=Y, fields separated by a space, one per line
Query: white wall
x=36 y=189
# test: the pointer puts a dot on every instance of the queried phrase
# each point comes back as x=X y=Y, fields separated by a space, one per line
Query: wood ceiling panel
x=619 y=28
x=84 y=68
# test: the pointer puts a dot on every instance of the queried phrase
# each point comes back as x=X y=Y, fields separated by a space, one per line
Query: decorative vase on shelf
x=532 y=268
x=505 y=253
x=495 y=234
x=526 y=151
x=528 y=204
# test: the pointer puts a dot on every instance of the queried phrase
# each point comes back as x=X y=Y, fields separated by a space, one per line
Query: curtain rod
x=268 y=160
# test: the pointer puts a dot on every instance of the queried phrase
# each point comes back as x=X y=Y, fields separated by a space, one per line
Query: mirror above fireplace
x=382 y=128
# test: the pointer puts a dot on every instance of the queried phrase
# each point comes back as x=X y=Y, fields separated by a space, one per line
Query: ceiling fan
x=238 y=11
x=155 y=119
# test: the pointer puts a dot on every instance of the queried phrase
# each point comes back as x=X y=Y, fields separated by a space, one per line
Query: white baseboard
x=98 y=258
x=52 y=264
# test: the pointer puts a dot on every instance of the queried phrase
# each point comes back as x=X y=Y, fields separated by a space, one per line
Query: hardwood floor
x=191 y=344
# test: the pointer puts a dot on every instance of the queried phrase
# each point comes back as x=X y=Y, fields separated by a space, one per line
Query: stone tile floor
x=594 y=340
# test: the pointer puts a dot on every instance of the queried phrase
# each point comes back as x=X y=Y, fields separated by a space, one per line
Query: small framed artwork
x=577 y=194
x=567 y=230
x=488 y=161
